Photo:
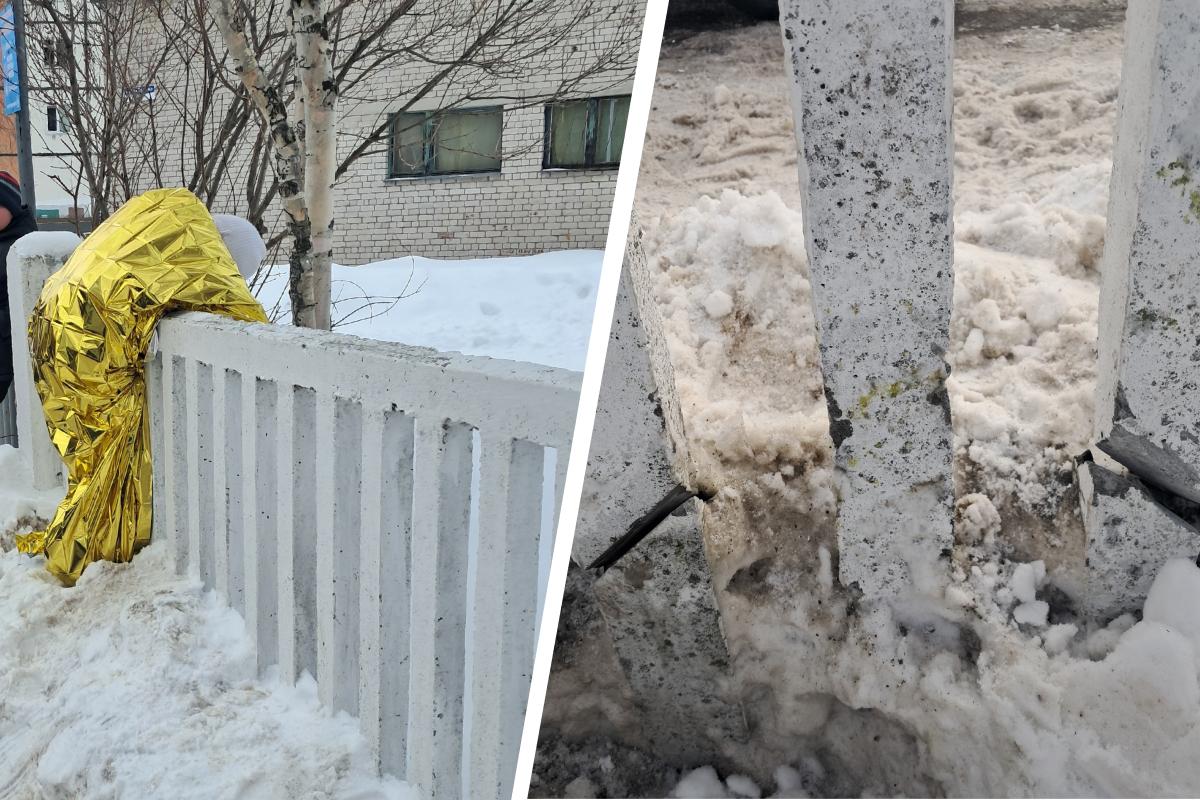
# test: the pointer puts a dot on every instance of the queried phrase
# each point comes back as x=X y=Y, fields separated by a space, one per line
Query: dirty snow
x=996 y=688
x=136 y=683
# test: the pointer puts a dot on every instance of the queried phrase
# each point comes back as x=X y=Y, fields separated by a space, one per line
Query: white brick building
x=540 y=186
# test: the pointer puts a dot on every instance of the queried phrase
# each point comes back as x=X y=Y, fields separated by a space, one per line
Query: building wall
x=522 y=209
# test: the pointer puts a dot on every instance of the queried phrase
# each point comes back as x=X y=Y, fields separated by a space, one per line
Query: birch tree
x=304 y=165
x=520 y=52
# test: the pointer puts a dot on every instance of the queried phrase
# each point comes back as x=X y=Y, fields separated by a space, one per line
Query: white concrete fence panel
x=871 y=88
x=375 y=511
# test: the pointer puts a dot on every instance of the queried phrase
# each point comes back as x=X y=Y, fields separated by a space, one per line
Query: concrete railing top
x=453 y=385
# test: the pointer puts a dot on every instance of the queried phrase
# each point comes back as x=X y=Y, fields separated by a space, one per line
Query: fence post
x=658 y=601
x=31 y=260
x=1149 y=355
x=872 y=103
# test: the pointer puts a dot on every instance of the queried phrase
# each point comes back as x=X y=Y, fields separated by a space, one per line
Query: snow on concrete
x=997 y=687
x=135 y=683
x=531 y=308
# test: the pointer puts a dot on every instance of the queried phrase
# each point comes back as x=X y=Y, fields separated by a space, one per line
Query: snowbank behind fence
x=378 y=513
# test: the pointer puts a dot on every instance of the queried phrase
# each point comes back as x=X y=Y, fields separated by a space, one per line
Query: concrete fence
x=378 y=513
x=872 y=101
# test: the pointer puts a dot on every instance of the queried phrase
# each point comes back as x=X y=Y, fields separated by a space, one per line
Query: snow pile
x=533 y=308
x=1022 y=720
x=1032 y=162
x=736 y=302
x=135 y=683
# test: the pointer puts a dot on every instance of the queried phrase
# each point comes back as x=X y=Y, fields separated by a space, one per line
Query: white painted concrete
x=1149 y=351
x=365 y=451
x=31 y=260
x=1149 y=355
x=1130 y=535
x=872 y=101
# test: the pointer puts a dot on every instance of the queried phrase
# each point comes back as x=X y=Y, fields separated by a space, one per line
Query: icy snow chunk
x=1057 y=637
x=700 y=784
x=718 y=304
x=741 y=786
x=1174 y=599
x=977 y=518
x=1032 y=613
x=1025 y=580
x=581 y=787
x=787 y=779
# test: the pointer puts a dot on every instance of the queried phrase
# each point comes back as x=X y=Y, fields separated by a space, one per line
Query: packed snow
x=137 y=683
x=530 y=308
x=995 y=688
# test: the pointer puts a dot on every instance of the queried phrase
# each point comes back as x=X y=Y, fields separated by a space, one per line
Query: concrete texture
x=32 y=260
x=1149 y=354
x=327 y=481
x=658 y=601
x=872 y=100
x=1129 y=537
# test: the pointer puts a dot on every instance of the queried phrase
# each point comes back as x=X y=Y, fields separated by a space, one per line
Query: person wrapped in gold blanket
x=89 y=335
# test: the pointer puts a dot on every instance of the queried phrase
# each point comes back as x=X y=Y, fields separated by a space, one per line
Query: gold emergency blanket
x=88 y=336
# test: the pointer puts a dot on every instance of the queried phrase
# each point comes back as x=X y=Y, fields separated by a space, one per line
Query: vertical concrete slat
x=489 y=617
x=166 y=522
x=154 y=396
x=325 y=462
x=218 y=489
x=289 y=661
x=441 y=527
x=233 y=443
x=521 y=589
x=371 y=572
x=872 y=101
x=395 y=587
x=252 y=599
x=201 y=467
x=346 y=553
x=191 y=423
x=1148 y=368
x=260 y=498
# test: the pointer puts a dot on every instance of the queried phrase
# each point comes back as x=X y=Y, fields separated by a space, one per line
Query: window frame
x=428 y=141
x=590 y=128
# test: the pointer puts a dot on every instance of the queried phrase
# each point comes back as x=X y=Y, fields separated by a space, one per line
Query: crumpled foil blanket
x=88 y=336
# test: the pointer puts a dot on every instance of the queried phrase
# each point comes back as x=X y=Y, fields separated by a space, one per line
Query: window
x=448 y=142
x=585 y=133
x=56 y=53
x=51 y=118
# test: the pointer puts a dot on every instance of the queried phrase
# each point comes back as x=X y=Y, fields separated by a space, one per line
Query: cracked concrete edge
x=1130 y=535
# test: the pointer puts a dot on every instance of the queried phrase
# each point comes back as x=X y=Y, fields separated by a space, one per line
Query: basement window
x=585 y=133
x=449 y=142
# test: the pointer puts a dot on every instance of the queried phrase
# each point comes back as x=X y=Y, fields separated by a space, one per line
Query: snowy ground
x=137 y=684
x=995 y=688
x=532 y=308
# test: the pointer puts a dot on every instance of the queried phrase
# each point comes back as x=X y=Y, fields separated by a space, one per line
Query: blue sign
x=8 y=61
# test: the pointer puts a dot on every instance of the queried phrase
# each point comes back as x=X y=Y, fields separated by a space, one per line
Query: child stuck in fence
x=88 y=337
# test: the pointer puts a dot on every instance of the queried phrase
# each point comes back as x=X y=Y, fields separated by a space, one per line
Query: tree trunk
x=310 y=21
